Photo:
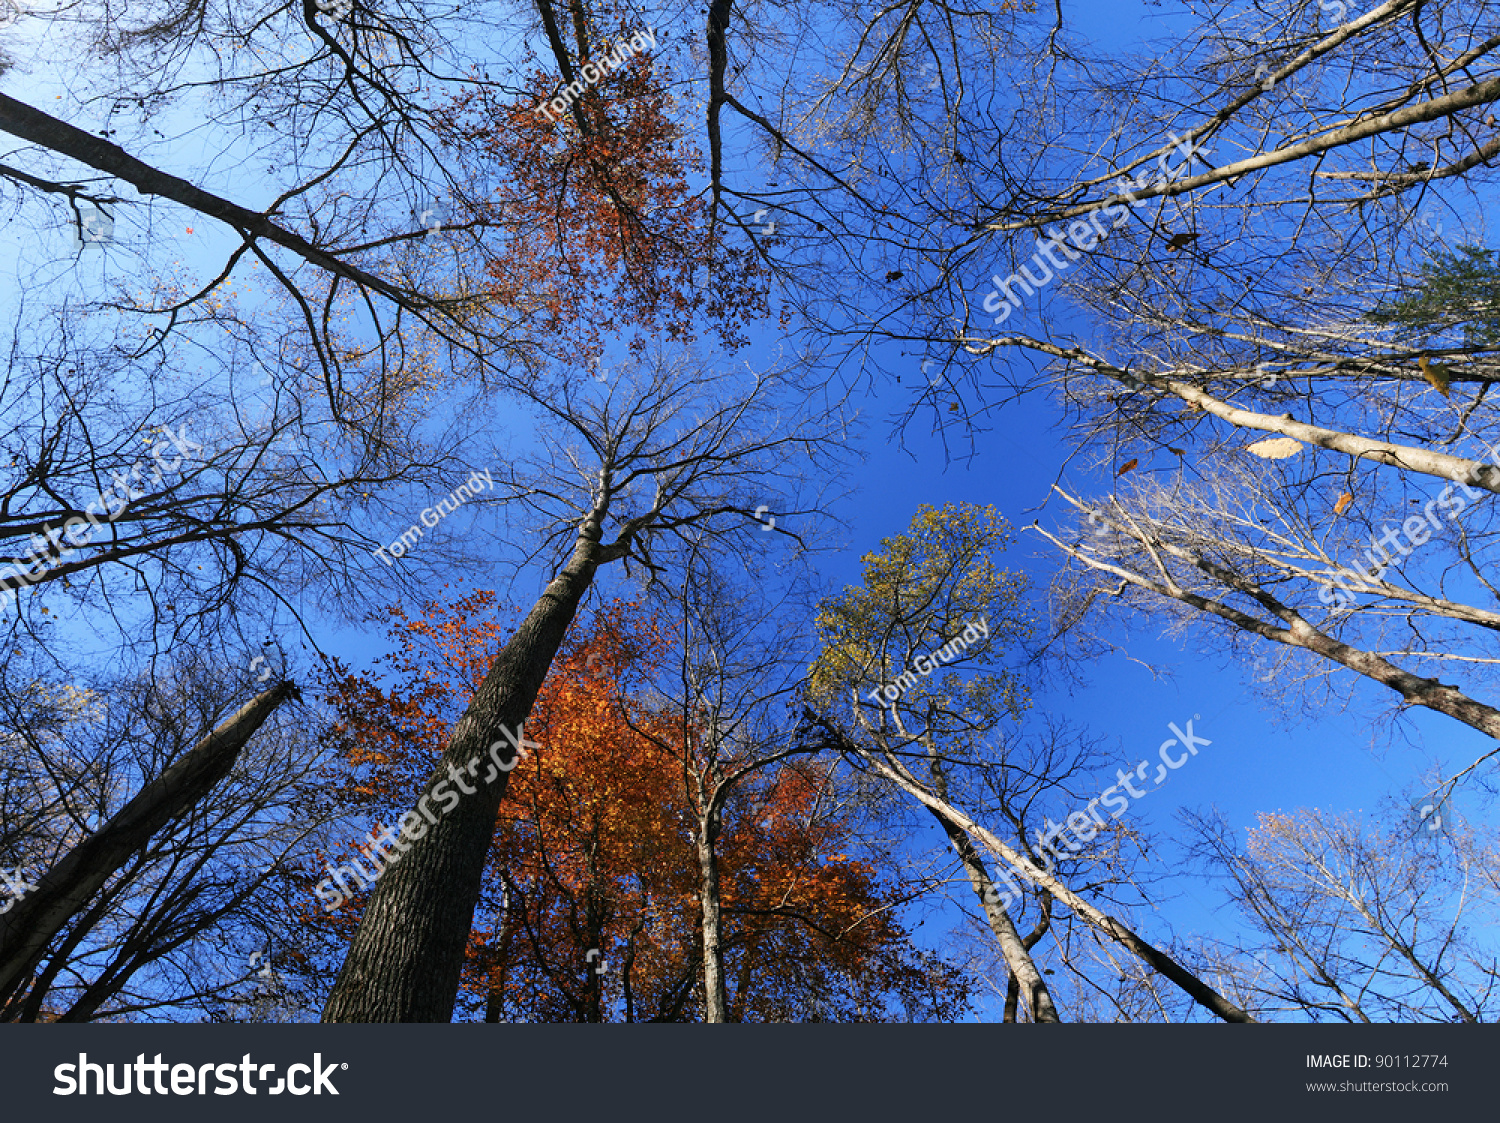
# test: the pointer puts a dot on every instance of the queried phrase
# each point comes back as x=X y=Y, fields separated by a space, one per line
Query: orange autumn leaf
x=1436 y=375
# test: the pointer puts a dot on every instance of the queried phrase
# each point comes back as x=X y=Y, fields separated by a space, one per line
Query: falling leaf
x=189 y=229
x=1435 y=374
x=1128 y=466
x=1344 y=501
x=1275 y=448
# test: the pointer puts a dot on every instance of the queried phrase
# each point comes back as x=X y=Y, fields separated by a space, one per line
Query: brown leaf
x=1344 y=501
x=1436 y=375
x=1128 y=466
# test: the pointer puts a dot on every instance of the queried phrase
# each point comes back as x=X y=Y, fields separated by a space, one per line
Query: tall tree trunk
x=1017 y=953
x=31 y=923
x=405 y=960
x=1017 y=957
x=26 y=1006
x=629 y=962
x=593 y=923
x=1158 y=960
x=714 y=1000
x=494 y=1001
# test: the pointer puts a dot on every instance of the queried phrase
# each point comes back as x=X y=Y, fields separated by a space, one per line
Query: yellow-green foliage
x=920 y=590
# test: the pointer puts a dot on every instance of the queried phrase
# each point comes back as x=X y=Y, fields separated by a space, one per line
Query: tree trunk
x=405 y=960
x=494 y=1002
x=26 y=1006
x=1017 y=953
x=30 y=124
x=1158 y=960
x=31 y=923
x=628 y=965
x=1022 y=967
x=714 y=1003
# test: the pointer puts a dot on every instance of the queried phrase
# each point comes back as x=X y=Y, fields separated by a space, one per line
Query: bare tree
x=168 y=509
x=1360 y=921
x=1253 y=555
x=1244 y=177
x=737 y=673
x=932 y=606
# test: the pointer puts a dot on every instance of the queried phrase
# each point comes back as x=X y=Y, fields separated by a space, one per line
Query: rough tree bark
x=714 y=1000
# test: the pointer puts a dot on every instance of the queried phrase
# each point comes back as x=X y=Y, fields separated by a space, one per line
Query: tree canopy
x=591 y=510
